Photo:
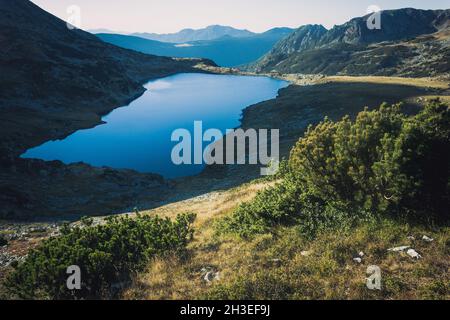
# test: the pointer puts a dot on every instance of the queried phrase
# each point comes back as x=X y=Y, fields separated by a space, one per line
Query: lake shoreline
x=213 y=178
x=31 y=185
x=137 y=136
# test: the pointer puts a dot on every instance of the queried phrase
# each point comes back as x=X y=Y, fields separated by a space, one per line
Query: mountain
x=354 y=49
x=279 y=30
x=55 y=80
x=188 y=35
x=226 y=51
x=304 y=38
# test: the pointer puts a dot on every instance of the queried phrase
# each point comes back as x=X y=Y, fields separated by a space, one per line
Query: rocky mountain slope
x=188 y=35
x=54 y=81
x=227 y=51
x=407 y=36
x=304 y=38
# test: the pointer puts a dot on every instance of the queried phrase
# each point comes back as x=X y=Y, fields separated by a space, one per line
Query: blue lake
x=138 y=136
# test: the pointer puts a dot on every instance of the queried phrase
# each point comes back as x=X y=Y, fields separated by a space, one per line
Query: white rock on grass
x=399 y=249
x=211 y=276
x=414 y=254
x=357 y=260
x=427 y=239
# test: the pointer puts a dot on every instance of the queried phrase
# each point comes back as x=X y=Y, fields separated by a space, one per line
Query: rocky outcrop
x=35 y=188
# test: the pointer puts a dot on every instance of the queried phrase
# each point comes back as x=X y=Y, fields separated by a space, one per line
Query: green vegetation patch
x=106 y=254
x=383 y=163
x=3 y=241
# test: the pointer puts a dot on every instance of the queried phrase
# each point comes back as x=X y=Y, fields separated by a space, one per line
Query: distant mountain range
x=411 y=42
x=189 y=35
x=228 y=48
x=102 y=30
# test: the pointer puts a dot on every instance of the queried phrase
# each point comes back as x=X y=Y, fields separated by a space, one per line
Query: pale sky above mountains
x=167 y=16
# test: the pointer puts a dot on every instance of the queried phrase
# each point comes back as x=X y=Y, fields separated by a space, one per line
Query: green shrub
x=422 y=152
x=106 y=254
x=341 y=172
x=338 y=161
x=273 y=206
x=318 y=216
x=3 y=241
x=383 y=162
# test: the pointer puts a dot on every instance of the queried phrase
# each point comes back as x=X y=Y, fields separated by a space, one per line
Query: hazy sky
x=163 y=16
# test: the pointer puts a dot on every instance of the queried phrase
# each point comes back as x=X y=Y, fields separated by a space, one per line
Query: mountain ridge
x=333 y=52
x=188 y=35
x=226 y=51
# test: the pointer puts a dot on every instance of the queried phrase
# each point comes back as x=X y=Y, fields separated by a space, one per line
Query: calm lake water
x=138 y=136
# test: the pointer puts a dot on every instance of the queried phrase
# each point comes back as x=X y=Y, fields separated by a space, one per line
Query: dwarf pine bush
x=106 y=254
x=382 y=163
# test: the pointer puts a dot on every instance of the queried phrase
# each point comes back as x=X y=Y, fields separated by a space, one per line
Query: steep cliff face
x=348 y=48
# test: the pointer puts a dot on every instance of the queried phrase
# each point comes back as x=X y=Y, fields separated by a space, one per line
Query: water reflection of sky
x=139 y=136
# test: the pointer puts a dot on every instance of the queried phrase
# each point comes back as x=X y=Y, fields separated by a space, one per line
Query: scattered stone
x=358 y=260
x=37 y=230
x=427 y=239
x=411 y=238
x=211 y=276
x=6 y=259
x=414 y=254
x=361 y=254
x=305 y=253
x=399 y=249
